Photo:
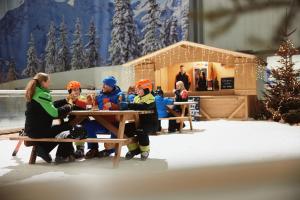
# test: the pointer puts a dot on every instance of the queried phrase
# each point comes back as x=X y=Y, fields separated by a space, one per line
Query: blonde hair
x=181 y=85
x=33 y=83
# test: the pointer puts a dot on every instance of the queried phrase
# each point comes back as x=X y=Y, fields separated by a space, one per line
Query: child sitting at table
x=131 y=94
x=161 y=105
x=79 y=102
x=108 y=99
x=181 y=94
x=148 y=122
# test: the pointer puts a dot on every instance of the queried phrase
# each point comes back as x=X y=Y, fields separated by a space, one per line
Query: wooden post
x=17 y=148
x=119 y=145
x=183 y=107
x=33 y=155
x=190 y=118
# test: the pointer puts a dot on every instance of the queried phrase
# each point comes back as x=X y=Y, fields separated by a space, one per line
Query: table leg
x=183 y=107
x=190 y=118
x=119 y=145
x=17 y=148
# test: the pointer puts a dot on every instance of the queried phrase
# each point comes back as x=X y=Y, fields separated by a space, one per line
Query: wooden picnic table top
x=109 y=112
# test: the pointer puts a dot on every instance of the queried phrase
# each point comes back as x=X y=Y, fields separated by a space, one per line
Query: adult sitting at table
x=108 y=99
x=181 y=94
x=40 y=112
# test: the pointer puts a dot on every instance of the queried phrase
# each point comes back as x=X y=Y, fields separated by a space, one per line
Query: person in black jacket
x=148 y=122
x=184 y=77
x=40 y=112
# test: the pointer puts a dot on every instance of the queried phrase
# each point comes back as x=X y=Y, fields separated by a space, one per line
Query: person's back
x=161 y=105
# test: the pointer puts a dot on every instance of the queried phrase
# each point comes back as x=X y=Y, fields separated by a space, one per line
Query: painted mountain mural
x=32 y=20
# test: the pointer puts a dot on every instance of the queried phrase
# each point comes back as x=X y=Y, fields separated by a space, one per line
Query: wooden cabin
x=230 y=76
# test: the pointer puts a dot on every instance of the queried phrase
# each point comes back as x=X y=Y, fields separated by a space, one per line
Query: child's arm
x=141 y=106
x=60 y=103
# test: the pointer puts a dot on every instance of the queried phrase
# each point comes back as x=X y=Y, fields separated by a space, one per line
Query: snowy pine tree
x=165 y=33
x=131 y=49
x=50 y=58
x=77 y=61
x=117 y=38
x=173 y=32
x=152 y=23
x=32 y=61
x=11 y=74
x=92 y=55
x=124 y=43
x=63 y=50
x=2 y=63
x=185 y=22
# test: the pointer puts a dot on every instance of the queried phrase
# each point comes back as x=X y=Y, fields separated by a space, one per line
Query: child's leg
x=79 y=153
x=133 y=149
x=91 y=127
x=144 y=142
x=108 y=148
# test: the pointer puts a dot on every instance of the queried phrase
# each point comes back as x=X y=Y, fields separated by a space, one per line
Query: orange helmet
x=73 y=84
x=144 y=83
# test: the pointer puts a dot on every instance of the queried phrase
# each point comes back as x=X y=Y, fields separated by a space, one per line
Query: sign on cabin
x=227 y=83
x=195 y=108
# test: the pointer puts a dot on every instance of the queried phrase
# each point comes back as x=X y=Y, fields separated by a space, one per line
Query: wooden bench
x=181 y=117
x=13 y=134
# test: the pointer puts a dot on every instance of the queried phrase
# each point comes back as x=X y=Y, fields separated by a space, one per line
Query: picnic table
x=122 y=116
x=181 y=117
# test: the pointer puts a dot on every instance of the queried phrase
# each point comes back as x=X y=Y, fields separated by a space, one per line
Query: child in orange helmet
x=80 y=102
x=148 y=123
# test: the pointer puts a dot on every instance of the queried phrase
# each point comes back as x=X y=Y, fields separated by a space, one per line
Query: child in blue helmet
x=108 y=99
x=161 y=105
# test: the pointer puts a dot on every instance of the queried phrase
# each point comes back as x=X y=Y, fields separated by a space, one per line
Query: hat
x=110 y=81
x=73 y=84
x=145 y=84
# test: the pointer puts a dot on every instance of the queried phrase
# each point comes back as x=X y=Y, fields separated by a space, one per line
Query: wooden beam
x=202 y=111
x=236 y=110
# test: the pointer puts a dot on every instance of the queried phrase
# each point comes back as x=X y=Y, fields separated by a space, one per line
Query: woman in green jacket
x=40 y=112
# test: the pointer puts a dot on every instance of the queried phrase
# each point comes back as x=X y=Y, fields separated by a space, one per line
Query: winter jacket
x=184 y=78
x=161 y=105
x=148 y=122
x=112 y=97
x=41 y=111
x=180 y=96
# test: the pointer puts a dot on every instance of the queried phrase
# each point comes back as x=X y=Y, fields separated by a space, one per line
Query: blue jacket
x=161 y=105
x=113 y=97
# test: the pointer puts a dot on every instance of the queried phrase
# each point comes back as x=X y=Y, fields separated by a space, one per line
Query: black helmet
x=159 y=92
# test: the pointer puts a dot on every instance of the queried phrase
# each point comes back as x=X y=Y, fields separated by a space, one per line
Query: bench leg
x=17 y=148
x=191 y=125
x=117 y=155
x=32 y=156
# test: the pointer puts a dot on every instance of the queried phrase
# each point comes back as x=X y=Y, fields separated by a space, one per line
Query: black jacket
x=148 y=122
x=38 y=119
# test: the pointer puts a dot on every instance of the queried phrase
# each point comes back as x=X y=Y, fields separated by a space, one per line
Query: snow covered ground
x=212 y=143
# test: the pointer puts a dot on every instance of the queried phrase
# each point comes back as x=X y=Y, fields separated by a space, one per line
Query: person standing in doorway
x=184 y=77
